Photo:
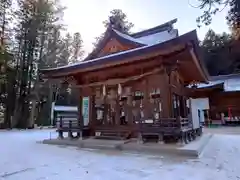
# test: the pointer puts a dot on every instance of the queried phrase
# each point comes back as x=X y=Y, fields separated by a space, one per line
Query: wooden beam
x=163 y=52
x=196 y=62
x=122 y=81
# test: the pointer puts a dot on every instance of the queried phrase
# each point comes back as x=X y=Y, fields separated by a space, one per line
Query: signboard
x=201 y=103
x=196 y=107
x=85 y=110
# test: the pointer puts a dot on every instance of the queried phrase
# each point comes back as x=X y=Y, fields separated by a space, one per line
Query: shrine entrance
x=113 y=112
x=120 y=109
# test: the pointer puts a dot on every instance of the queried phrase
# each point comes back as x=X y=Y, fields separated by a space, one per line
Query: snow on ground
x=22 y=158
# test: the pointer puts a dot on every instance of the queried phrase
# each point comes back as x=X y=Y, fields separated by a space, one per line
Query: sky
x=86 y=16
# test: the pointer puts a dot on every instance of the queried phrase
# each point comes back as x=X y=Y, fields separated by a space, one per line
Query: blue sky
x=86 y=16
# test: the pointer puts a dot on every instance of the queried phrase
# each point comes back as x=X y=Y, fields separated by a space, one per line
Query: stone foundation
x=192 y=149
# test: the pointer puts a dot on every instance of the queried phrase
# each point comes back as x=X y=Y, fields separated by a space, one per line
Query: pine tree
x=216 y=53
x=5 y=59
x=65 y=53
x=233 y=17
x=211 y=7
x=5 y=18
x=117 y=20
x=77 y=52
x=35 y=18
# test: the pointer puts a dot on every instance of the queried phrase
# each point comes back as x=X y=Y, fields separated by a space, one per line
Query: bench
x=68 y=122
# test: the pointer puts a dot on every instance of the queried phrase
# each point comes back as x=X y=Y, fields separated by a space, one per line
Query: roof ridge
x=155 y=29
x=131 y=37
x=127 y=37
x=117 y=34
x=186 y=37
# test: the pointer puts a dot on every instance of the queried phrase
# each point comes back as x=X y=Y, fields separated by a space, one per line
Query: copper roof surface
x=120 y=56
x=150 y=36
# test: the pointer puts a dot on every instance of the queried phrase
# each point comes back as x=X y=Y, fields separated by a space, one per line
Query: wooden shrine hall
x=135 y=85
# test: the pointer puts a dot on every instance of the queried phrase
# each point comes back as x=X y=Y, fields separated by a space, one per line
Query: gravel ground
x=23 y=158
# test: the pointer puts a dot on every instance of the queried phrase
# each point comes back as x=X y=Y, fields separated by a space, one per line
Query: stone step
x=109 y=137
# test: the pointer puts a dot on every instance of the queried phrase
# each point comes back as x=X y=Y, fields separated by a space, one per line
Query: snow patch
x=152 y=38
x=125 y=36
x=231 y=84
x=20 y=153
x=158 y=37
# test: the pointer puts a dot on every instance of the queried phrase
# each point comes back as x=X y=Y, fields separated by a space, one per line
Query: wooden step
x=116 y=135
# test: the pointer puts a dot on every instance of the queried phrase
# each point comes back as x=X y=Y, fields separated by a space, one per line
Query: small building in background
x=223 y=93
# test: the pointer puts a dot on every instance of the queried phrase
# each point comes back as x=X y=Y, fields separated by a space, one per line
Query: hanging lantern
x=119 y=89
x=3 y=69
x=104 y=90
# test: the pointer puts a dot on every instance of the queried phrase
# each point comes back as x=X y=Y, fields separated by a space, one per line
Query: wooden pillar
x=167 y=106
x=105 y=110
x=145 y=100
x=178 y=105
x=80 y=110
x=117 y=111
x=184 y=105
x=170 y=96
x=164 y=95
x=129 y=107
x=92 y=111
x=80 y=114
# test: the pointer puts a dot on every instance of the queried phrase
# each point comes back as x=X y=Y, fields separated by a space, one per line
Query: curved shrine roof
x=150 y=36
x=151 y=39
x=120 y=57
x=163 y=27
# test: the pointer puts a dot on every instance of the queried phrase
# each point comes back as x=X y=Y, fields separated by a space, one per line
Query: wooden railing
x=168 y=130
x=165 y=125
